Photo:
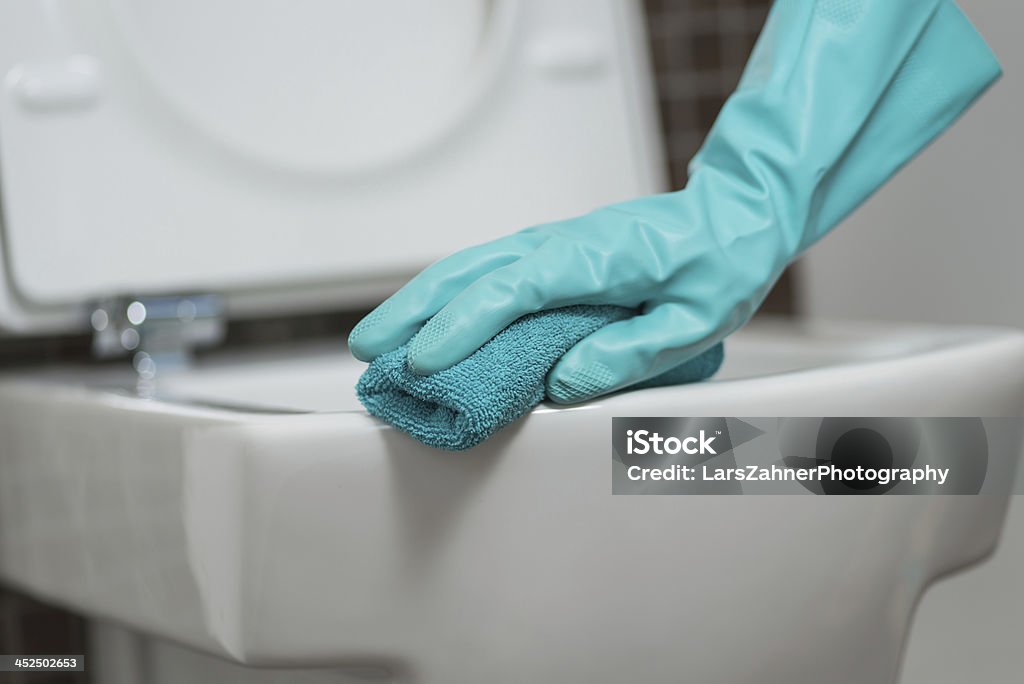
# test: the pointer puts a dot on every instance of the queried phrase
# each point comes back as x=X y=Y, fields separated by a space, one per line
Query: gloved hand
x=838 y=94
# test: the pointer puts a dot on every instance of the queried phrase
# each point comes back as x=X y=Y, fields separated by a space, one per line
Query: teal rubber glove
x=838 y=94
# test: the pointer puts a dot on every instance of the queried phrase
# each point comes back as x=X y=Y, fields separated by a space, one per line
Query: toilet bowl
x=172 y=166
x=251 y=510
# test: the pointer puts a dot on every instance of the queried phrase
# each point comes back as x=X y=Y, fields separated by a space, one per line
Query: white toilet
x=170 y=165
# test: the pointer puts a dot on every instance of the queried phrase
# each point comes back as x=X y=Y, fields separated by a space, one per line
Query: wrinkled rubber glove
x=838 y=94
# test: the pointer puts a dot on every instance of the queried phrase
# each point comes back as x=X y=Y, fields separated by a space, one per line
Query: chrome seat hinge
x=158 y=333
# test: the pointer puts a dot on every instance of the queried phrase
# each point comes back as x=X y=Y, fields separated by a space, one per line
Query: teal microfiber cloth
x=462 y=406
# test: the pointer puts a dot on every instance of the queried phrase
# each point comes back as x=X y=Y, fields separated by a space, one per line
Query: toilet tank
x=299 y=154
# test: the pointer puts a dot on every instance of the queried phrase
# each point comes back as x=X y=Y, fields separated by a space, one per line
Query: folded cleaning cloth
x=462 y=406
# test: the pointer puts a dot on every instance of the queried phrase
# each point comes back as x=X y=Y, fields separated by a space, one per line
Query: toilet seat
x=142 y=157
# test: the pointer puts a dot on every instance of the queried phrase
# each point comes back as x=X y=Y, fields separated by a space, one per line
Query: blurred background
x=940 y=243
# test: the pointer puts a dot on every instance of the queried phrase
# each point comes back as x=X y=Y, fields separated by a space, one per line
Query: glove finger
x=399 y=317
x=630 y=351
x=481 y=311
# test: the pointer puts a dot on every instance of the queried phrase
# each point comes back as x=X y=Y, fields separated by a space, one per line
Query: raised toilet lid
x=299 y=153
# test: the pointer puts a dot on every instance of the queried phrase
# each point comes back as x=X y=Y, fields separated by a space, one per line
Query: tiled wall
x=698 y=49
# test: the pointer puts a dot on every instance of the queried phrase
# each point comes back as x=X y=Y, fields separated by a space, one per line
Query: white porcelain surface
x=300 y=153
x=968 y=628
x=327 y=539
